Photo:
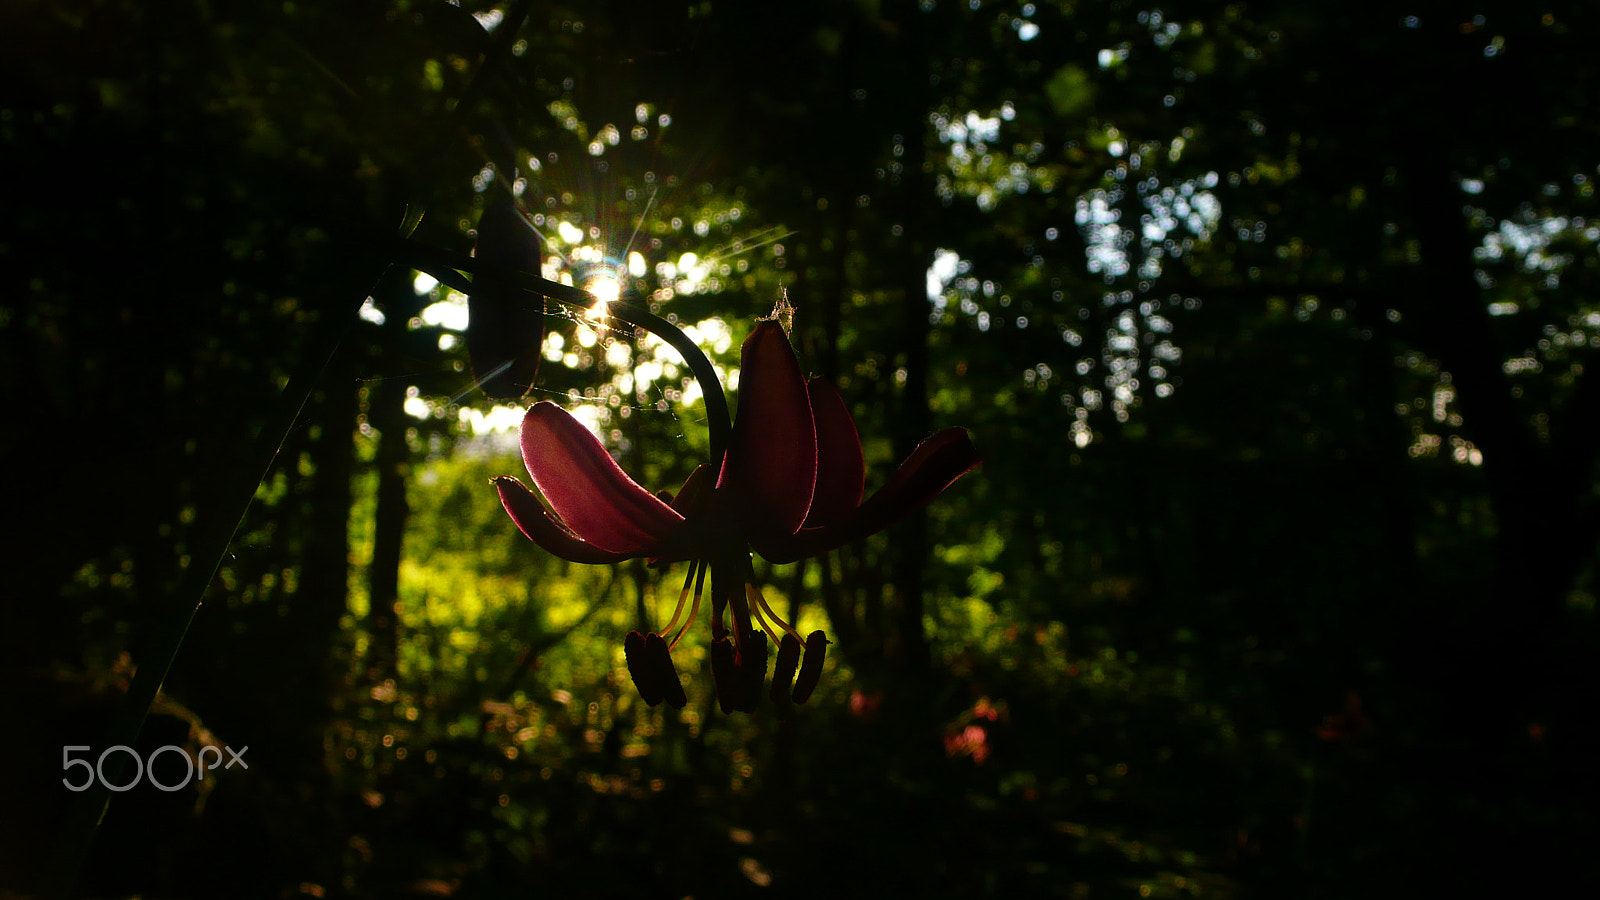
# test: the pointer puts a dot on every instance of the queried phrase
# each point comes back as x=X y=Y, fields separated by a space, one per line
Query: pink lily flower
x=790 y=486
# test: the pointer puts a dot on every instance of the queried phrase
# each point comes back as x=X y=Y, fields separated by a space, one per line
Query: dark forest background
x=1270 y=320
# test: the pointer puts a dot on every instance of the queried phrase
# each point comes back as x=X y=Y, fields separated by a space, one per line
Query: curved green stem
x=448 y=266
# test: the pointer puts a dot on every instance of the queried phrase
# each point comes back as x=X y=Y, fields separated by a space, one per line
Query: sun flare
x=606 y=290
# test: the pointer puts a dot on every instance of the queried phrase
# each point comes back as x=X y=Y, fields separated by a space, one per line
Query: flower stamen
x=659 y=657
x=750 y=673
x=698 y=569
x=682 y=596
x=783 y=670
x=762 y=602
x=639 y=666
x=811 y=666
x=752 y=597
x=722 y=672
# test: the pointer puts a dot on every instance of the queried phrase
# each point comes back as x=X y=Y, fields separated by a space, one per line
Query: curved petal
x=933 y=466
x=586 y=489
x=841 y=471
x=535 y=522
x=771 y=466
x=696 y=488
x=694 y=503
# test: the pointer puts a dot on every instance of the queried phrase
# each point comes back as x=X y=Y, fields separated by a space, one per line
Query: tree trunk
x=910 y=541
x=393 y=463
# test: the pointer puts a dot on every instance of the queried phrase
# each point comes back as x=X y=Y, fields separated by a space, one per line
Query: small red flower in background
x=1346 y=725
x=970 y=741
x=864 y=705
x=790 y=486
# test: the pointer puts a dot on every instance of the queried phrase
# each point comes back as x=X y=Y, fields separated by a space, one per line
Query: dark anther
x=752 y=672
x=646 y=677
x=811 y=666
x=783 y=671
x=658 y=658
x=722 y=672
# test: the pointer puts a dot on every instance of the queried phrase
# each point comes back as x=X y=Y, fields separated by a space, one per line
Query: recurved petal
x=537 y=523
x=586 y=489
x=771 y=466
x=841 y=471
x=696 y=488
x=933 y=466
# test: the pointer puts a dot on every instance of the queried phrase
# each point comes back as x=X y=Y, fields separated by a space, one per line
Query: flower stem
x=448 y=267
